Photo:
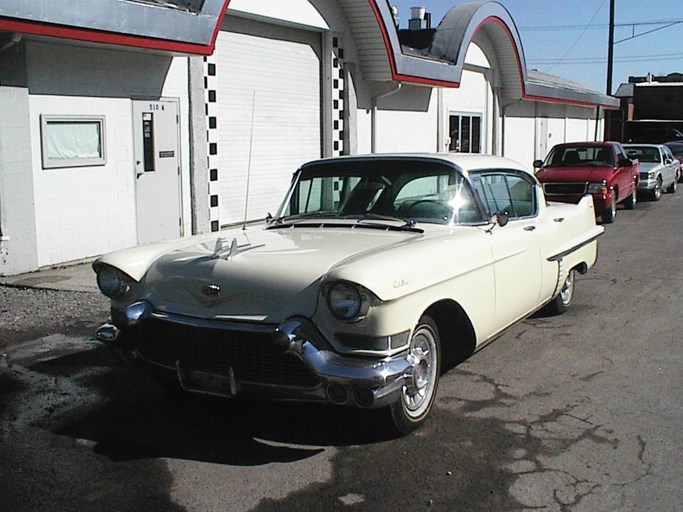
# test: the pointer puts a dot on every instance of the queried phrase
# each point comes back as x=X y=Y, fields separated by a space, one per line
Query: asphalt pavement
x=579 y=412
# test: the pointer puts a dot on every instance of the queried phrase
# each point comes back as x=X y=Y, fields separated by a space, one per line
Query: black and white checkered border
x=338 y=96
x=210 y=91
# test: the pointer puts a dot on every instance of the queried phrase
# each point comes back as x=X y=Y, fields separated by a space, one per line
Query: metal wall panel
x=268 y=94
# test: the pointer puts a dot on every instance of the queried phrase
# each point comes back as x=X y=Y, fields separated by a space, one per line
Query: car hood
x=574 y=174
x=650 y=166
x=260 y=275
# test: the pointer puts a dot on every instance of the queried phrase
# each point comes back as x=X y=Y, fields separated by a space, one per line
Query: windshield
x=377 y=189
x=644 y=153
x=573 y=156
x=676 y=149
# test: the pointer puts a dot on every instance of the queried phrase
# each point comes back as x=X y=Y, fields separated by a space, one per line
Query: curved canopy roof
x=191 y=27
x=443 y=62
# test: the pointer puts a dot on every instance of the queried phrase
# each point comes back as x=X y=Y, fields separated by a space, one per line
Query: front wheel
x=608 y=216
x=657 y=191
x=672 y=188
x=417 y=396
x=564 y=299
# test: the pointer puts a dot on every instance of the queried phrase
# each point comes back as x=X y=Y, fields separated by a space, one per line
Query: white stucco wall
x=294 y=12
x=83 y=212
x=519 y=133
x=533 y=128
x=413 y=127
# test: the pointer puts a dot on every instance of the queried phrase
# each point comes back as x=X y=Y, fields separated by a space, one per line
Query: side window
x=668 y=155
x=507 y=192
x=621 y=153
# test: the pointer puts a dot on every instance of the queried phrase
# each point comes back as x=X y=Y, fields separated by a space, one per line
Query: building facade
x=651 y=110
x=143 y=121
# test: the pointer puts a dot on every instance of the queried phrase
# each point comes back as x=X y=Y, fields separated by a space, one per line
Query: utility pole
x=610 y=48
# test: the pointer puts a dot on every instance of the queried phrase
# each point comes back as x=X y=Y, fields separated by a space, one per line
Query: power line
x=602 y=60
x=578 y=38
x=560 y=28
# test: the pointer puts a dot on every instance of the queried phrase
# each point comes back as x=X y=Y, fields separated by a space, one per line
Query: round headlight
x=111 y=282
x=344 y=300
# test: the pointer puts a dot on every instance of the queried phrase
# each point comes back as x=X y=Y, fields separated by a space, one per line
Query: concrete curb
x=74 y=278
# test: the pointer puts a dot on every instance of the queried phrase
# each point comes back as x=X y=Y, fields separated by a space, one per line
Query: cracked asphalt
x=578 y=412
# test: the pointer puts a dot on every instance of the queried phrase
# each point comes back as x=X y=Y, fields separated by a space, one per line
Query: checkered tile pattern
x=338 y=97
x=210 y=91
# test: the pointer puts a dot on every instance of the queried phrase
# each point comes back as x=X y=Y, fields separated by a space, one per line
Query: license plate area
x=207 y=383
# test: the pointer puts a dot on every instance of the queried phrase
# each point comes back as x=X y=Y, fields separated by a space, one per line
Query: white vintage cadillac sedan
x=377 y=273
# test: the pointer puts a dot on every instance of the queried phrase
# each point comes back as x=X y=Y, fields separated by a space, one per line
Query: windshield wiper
x=407 y=223
x=303 y=216
x=361 y=219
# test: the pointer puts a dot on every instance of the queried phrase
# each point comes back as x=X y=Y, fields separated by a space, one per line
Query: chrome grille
x=565 y=188
x=252 y=356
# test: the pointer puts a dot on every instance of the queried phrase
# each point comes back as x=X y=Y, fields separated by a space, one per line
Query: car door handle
x=529 y=228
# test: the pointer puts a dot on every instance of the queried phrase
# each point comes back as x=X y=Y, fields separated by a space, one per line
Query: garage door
x=268 y=110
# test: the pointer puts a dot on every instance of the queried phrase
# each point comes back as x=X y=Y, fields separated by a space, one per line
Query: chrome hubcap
x=417 y=392
x=567 y=289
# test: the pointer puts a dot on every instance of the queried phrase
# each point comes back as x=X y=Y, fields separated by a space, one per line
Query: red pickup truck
x=601 y=169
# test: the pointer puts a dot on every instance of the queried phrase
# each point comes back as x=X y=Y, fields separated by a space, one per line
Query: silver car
x=658 y=168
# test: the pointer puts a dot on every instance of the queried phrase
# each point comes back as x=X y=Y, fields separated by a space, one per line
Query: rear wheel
x=564 y=299
x=417 y=396
x=672 y=188
x=630 y=203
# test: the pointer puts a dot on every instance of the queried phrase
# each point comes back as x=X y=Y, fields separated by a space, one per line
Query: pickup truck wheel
x=561 y=303
x=630 y=203
x=417 y=397
x=657 y=191
x=608 y=216
x=673 y=186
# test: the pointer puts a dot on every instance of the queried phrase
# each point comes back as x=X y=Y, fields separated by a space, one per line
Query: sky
x=569 y=38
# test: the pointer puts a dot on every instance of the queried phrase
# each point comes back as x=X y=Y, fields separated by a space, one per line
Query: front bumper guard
x=367 y=382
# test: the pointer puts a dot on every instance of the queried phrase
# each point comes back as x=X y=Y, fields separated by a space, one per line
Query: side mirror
x=502 y=218
x=625 y=162
x=538 y=164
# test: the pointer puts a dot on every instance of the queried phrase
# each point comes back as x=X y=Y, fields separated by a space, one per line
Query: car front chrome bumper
x=367 y=382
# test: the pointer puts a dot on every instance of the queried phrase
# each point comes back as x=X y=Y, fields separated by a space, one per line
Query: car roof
x=466 y=162
x=643 y=145
x=586 y=143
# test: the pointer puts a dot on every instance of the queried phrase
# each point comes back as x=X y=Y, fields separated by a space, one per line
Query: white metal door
x=157 y=170
x=541 y=138
x=269 y=113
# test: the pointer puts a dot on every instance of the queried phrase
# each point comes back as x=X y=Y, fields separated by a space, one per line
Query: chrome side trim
x=559 y=256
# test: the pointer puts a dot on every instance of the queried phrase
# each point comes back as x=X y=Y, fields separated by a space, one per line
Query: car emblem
x=211 y=290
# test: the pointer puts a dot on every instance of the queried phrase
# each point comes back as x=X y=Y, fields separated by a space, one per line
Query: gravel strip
x=29 y=313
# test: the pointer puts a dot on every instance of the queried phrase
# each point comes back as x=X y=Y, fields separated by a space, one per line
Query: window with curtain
x=72 y=141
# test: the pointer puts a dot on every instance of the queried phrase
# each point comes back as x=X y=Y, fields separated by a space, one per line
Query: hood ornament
x=228 y=250
x=211 y=290
x=220 y=251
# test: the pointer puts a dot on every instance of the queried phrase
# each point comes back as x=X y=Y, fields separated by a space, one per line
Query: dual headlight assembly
x=347 y=301
x=112 y=282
